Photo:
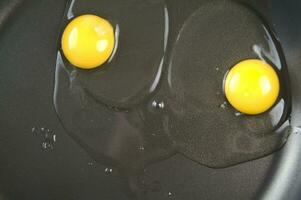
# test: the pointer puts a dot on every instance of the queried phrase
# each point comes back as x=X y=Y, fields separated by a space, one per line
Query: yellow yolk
x=88 y=41
x=252 y=86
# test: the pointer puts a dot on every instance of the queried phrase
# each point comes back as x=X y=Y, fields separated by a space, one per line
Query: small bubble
x=141 y=148
x=217 y=68
x=223 y=105
x=158 y=105
x=47 y=137
x=33 y=129
x=108 y=171
x=47 y=146
x=44 y=145
x=237 y=114
x=256 y=48
x=169 y=194
x=90 y=163
x=54 y=138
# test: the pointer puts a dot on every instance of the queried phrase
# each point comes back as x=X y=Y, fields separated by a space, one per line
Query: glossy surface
x=129 y=122
x=134 y=69
x=67 y=172
x=252 y=86
x=205 y=127
x=112 y=110
x=88 y=41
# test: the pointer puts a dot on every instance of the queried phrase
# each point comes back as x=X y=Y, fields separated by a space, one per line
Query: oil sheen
x=161 y=92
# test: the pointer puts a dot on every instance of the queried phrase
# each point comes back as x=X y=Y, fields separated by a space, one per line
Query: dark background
x=28 y=42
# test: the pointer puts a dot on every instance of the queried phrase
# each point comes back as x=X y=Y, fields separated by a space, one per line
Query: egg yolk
x=252 y=86
x=88 y=41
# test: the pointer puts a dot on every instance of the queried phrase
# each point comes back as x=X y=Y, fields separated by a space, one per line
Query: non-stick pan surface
x=63 y=170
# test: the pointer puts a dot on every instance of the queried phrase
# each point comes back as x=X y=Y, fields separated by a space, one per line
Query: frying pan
x=28 y=47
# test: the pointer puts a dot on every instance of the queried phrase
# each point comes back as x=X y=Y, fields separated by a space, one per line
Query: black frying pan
x=63 y=170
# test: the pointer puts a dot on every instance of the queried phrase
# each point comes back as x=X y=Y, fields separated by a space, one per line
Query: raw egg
x=252 y=86
x=119 y=118
x=88 y=41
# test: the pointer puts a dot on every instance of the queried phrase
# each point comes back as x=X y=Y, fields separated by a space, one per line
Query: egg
x=162 y=90
x=252 y=86
x=88 y=41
